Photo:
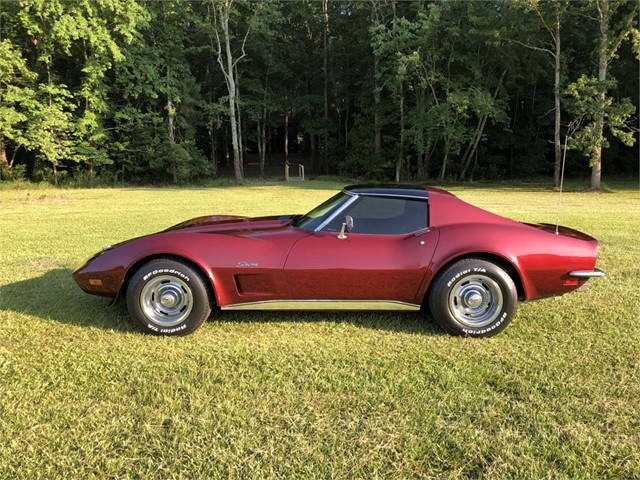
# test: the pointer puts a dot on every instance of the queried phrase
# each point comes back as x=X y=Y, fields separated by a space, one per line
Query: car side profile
x=369 y=247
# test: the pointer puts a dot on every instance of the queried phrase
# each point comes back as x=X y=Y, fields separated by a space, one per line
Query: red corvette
x=385 y=247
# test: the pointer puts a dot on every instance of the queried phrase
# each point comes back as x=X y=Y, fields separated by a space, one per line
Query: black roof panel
x=388 y=189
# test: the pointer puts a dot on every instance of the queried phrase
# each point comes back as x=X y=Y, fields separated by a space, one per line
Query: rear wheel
x=166 y=297
x=473 y=297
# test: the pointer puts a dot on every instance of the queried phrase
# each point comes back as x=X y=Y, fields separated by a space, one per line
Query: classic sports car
x=370 y=247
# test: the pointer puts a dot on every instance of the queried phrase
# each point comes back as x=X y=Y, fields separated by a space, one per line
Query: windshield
x=315 y=217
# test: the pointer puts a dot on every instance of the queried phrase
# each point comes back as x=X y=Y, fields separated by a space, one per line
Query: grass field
x=309 y=395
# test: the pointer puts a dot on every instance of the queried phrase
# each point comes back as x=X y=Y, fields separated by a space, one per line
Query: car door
x=384 y=257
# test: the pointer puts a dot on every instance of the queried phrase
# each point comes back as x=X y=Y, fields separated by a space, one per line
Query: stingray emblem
x=242 y=263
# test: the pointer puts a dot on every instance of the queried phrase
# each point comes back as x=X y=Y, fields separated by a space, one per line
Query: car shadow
x=401 y=322
x=54 y=296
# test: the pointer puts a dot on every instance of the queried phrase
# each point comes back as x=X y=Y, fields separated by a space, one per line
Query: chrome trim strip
x=353 y=198
x=393 y=195
x=596 y=272
x=379 y=305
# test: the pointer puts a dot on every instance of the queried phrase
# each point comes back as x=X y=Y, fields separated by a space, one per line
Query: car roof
x=391 y=190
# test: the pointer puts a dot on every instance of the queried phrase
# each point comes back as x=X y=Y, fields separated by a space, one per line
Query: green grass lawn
x=309 y=395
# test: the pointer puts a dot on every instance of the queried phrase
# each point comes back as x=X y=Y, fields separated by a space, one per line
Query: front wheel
x=473 y=297
x=166 y=297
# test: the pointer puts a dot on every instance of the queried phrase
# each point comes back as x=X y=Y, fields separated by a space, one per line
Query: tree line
x=145 y=91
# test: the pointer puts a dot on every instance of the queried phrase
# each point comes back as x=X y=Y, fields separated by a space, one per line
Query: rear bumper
x=596 y=272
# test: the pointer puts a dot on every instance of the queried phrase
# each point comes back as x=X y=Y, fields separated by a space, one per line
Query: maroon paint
x=250 y=260
x=363 y=267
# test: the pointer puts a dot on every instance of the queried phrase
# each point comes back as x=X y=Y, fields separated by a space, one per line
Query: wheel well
x=496 y=259
x=177 y=258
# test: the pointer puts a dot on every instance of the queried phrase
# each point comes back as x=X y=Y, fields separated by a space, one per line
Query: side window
x=383 y=215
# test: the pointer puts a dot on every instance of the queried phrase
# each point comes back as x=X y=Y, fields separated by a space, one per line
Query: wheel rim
x=166 y=300
x=476 y=301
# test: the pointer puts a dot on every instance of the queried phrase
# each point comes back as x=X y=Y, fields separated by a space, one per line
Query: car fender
x=481 y=240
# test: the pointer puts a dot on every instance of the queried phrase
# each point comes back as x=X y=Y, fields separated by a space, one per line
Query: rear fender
x=476 y=241
x=540 y=258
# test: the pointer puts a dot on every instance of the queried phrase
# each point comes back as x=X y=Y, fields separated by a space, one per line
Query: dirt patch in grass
x=45 y=263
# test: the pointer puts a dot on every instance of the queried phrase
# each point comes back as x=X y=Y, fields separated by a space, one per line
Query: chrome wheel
x=475 y=301
x=166 y=300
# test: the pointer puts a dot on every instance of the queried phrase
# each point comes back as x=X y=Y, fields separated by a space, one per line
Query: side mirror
x=349 y=220
x=346 y=226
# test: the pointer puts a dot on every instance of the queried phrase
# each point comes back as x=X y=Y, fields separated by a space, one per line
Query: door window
x=383 y=215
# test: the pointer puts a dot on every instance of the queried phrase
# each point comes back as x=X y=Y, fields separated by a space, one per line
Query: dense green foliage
x=177 y=91
x=261 y=395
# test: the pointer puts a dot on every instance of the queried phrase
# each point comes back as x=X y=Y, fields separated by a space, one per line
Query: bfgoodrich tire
x=166 y=297
x=474 y=298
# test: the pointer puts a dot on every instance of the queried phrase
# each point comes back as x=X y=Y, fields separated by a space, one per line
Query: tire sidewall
x=201 y=307
x=439 y=298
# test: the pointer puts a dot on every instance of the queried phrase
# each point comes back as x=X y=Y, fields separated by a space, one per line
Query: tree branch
x=218 y=47
x=553 y=35
x=545 y=50
x=625 y=31
x=578 y=14
x=244 y=41
x=547 y=113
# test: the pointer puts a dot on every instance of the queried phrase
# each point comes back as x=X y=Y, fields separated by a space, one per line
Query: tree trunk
x=325 y=55
x=445 y=159
x=377 y=129
x=261 y=126
x=475 y=164
x=421 y=167
x=346 y=128
x=472 y=149
x=286 y=135
x=514 y=122
x=235 y=139
x=13 y=157
x=314 y=153
x=424 y=160
x=172 y=139
x=92 y=173
x=212 y=139
x=263 y=136
x=242 y=140
x=229 y=75
x=422 y=147
x=212 y=128
x=596 y=161
x=556 y=93
x=467 y=153
x=4 y=164
x=401 y=148
x=269 y=141
x=227 y=157
x=260 y=147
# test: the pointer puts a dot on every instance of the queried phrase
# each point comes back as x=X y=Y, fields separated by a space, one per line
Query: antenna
x=571 y=128
x=564 y=158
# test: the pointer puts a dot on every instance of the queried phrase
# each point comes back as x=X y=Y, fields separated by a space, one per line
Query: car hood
x=231 y=223
x=219 y=224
